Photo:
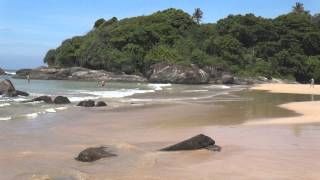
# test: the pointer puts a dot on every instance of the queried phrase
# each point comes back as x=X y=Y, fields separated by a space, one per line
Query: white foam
x=113 y=94
x=61 y=108
x=198 y=90
x=19 y=99
x=4 y=104
x=77 y=99
x=219 y=87
x=51 y=110
x=10 y=73
x=158 y=87
x=31 y=115
x=5 y=118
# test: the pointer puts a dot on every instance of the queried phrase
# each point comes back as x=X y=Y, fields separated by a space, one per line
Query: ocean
x=114 y=93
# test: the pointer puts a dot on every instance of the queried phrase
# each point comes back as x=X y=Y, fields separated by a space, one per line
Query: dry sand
x=289 y=88
x=308 y=110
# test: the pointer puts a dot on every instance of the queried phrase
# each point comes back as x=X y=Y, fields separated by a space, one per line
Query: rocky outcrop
x=177 y=74
x=101 y=104
x=93 y=154
x=2 y=72
x=8 y=89
x=76 y=73
x=197 y=142
x=88 y=103
x=61 y=100
x=45 y=99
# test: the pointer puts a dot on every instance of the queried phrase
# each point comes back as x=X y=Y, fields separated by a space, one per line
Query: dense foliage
x=287 y=46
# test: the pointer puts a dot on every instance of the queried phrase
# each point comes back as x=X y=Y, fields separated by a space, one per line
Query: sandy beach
x=46 y=147
x=308 y=110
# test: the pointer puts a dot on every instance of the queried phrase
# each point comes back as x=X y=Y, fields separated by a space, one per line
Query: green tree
x=50 y=58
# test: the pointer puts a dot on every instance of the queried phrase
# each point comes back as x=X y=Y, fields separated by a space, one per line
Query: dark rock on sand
x=177 y=74
x=2 y=72
x=197 y=142
x=61 y=100
x=101 y=104
x=93 y=154
x=45 y=99
x=88 y=103
x=8 y=89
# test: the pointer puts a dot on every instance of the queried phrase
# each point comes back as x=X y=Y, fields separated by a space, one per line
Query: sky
x=29 y=28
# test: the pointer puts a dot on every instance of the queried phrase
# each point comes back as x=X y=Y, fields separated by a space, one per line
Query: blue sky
x=28 y=28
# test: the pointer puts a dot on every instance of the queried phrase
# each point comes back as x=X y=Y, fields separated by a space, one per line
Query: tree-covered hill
x=287 y=46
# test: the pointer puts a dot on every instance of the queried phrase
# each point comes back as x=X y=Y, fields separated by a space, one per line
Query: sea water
x=17 y=109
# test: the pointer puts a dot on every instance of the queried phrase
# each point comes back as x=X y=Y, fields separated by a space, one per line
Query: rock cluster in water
x=91 y=103
x=49 y=100
x=8 y=89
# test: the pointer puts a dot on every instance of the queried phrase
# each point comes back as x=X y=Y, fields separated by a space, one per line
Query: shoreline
x=307 y=110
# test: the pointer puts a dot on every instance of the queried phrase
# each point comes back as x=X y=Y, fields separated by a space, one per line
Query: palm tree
x=197 y=15
x=298 y=8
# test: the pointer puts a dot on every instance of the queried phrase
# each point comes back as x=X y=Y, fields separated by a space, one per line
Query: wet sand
x=47 y=147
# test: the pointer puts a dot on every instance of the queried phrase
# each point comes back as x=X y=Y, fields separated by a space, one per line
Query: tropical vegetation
x=287 y=46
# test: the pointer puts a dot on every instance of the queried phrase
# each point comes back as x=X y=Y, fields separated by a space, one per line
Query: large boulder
x=45 y=99
x=8 y=89
x=2 y=72
x=101 y=104
x=197 y=142
x=61 y=100
x=88 y=103
x=93 y=154
x=177 y=74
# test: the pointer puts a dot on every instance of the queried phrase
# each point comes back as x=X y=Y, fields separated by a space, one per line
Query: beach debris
x=88 y=103
x=101 y=104
x=61 y=100
x=8 y=89
x=45 y=99
x=94 y=153
x=197 y=142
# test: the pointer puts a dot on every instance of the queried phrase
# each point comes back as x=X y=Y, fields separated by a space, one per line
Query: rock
x=197 y=142
x=88 y=103
x=61 y=100
x=45 y=99
x=2 y=72
x=227 y=78
x=101 y=104
x=76 y=73
x=177 y=74
x=21 y=93
x=93 y=154
x=214 y=148
x=7 y=89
